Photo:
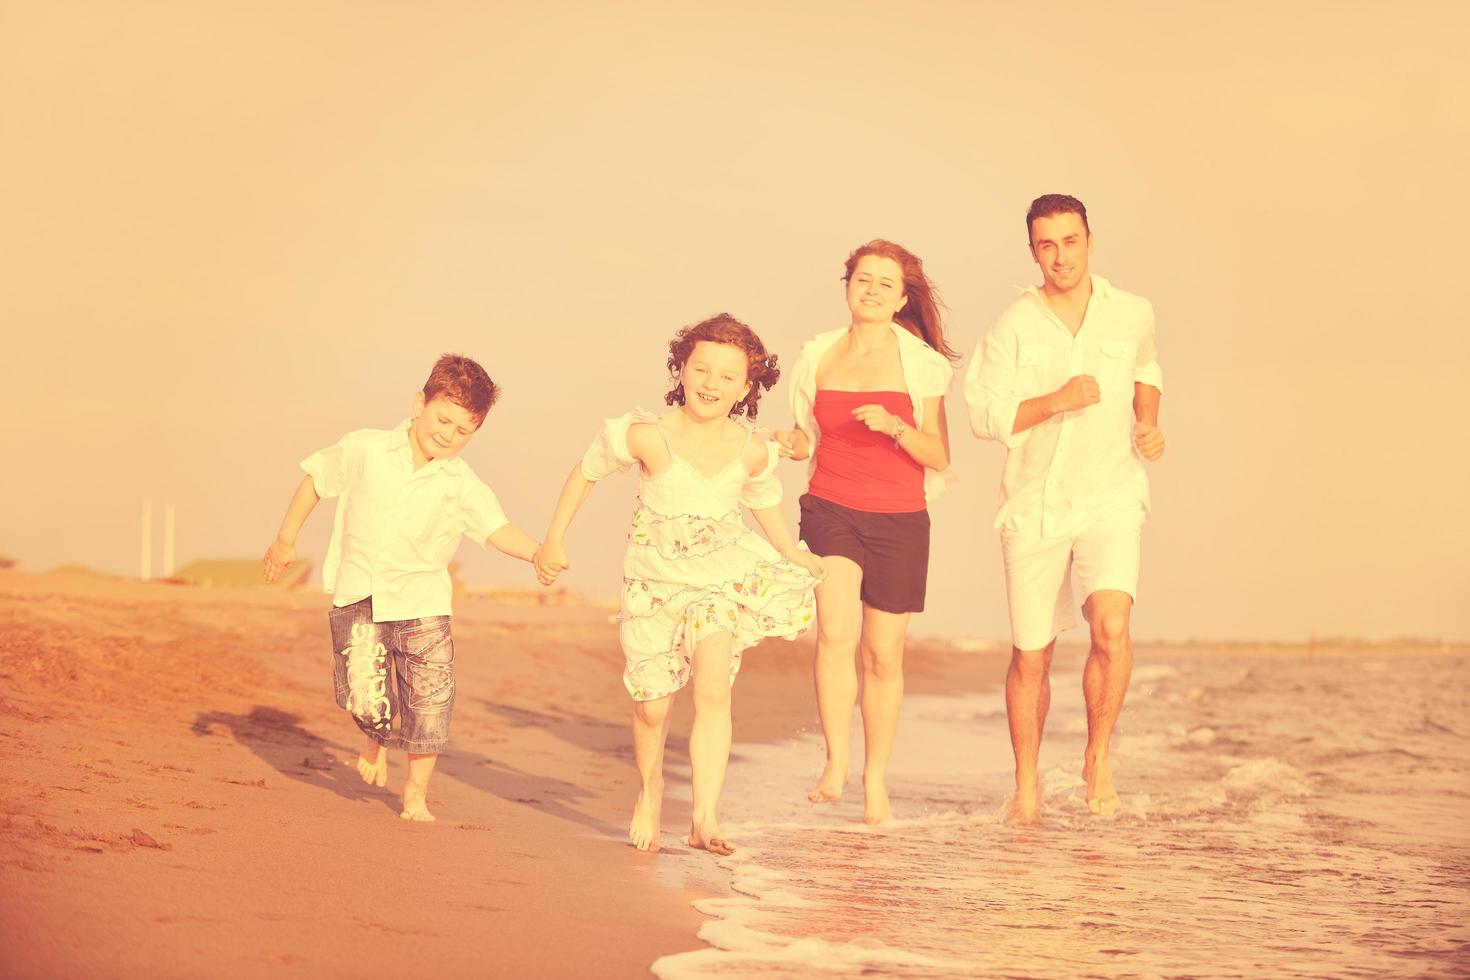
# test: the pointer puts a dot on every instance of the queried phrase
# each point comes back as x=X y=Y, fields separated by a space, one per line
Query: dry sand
x=178 y=799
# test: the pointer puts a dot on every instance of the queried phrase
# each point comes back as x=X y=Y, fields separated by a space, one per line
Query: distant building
x=6 y=561
x=240 y=573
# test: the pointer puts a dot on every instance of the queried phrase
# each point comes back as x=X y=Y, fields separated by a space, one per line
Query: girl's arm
x=773 y=523
x=282 y=551
x=928 y=445
x=551 y=558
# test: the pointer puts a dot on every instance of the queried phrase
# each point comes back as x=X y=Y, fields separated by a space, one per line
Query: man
x=1059 y=380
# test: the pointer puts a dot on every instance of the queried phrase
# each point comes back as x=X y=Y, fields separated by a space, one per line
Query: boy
x=406 y=500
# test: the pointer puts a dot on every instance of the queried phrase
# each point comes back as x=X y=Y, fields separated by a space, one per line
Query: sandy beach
x=178 y=798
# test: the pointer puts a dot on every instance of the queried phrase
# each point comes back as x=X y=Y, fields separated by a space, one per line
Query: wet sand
x=178 y=796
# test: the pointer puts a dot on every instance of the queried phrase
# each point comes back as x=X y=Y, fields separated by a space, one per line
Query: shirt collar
x=398 y=443
x=1100 y=287
x=398 y=439
x=906 y=337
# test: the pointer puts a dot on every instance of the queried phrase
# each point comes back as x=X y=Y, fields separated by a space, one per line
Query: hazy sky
x=230 y=233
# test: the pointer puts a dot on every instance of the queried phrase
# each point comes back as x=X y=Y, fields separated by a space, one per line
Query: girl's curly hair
x=722 y=328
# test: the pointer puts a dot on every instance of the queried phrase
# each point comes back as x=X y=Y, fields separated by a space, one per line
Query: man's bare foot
x=372 y=764
x=415 y=803
x=643 y=829
x=1101 y=797
x=829 y=787
x=875 y=804
x=710 y=839
x=1024 y=808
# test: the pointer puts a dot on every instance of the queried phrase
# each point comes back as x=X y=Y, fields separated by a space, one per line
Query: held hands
x=877 y=419
x=785 y=440
x=550 y=561
x=1148 y=440
x=1079 y=392
x=278 y=557
x=805 y=559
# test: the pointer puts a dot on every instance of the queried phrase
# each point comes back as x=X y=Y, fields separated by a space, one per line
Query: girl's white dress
x=693 y=567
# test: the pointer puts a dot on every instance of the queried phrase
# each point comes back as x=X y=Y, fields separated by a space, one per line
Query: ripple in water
x=1286 y=817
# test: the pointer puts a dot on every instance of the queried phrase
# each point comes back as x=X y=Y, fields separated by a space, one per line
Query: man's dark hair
x=1051 y=205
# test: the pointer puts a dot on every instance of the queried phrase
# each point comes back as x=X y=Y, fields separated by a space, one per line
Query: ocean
x=1282 y=815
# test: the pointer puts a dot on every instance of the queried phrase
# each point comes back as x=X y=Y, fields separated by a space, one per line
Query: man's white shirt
x=1077 y=464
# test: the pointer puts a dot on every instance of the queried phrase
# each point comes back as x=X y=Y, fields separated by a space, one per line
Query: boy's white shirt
x=397 y=528
x=1060 y=473
x=926 y=374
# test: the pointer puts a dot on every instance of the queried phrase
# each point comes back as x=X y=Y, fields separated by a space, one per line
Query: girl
x=869 y=406
x=698 y=586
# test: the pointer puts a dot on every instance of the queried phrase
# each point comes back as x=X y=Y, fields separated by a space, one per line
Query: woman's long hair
x=920 y=315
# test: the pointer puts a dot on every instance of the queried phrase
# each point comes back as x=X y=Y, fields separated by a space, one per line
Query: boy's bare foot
x=829 y=787
x=372 y=764
x=643 y=829
x=709 y=838
x=415 y=803
x=875 y=804
x=1101 y=797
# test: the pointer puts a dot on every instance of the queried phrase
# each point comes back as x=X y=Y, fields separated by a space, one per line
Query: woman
x=869 y=408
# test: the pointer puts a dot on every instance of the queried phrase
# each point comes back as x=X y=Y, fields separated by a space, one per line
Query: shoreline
x=179 y=797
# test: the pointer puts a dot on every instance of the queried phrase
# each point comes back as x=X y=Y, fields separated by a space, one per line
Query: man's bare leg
x=372 y=762
x=1104 y=685
x=709 y=740
x=416 y=790
x=650 y=730
x=1028 y=698
x=882 y=654
x=839 y=621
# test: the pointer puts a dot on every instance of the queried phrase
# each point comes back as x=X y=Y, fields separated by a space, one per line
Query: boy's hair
x=463 y=382
x=1051 y=205
x=921 y=315
x=722 y=328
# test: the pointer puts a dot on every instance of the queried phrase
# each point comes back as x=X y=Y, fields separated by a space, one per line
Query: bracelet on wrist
x=898 y=429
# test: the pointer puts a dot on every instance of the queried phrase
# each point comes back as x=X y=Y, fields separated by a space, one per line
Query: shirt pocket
x=1115 y=365
x=1031 y=370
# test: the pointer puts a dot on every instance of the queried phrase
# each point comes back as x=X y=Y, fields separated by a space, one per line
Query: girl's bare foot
x=643 y=829
x=415 y=803
x=372 y=764
x=1025 y=806
x=829 y=787
x=709 y=838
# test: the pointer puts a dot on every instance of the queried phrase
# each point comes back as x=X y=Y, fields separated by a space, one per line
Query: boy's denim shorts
x=395 y=679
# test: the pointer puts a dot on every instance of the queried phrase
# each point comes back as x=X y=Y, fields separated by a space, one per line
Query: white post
x=145 y=542
x=168 y=540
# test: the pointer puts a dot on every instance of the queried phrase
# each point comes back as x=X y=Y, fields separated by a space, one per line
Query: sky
x=233 y=233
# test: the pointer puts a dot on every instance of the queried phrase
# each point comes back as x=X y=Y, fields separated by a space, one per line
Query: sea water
x=1283 y=816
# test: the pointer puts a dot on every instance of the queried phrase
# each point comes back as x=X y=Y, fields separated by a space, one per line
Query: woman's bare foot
x=372 y=764
x=875 y=804
x=643 y=829
x=829 y=787
x=415 y=803
x=1101 y=797
x=709 y=838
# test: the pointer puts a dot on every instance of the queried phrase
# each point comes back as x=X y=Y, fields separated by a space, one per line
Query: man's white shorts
x=1103 y=554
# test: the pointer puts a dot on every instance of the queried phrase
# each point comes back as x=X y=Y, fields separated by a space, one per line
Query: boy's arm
x=282 y=552
x=511 y=540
